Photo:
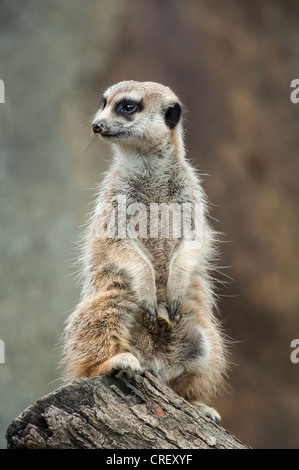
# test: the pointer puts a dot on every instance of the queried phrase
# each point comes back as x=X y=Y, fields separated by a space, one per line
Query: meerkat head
x=137 y=113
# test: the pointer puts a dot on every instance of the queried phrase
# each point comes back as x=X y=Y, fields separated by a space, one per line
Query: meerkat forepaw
x=174 y=304
x=151 y=310
x=173 y=308
x=152 y=314
x=208 y=411
x=174 y=300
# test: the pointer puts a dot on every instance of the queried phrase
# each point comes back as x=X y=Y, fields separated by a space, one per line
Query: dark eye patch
x=127 y=108
x=103 y=102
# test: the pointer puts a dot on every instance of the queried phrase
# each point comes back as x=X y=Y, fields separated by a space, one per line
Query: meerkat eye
x=127 y=108
x=130 y=108
x=103 y=102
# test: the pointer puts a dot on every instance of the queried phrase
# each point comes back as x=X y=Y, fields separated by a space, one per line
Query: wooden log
x=119 y=412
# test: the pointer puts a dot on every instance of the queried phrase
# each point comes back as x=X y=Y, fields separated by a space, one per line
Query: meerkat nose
x=97 y=128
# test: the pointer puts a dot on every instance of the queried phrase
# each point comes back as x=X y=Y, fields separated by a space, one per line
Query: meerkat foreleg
x=131 y=258
x=183 y=260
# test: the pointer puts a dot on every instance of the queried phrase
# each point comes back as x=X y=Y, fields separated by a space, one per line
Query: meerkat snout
x=97 y=128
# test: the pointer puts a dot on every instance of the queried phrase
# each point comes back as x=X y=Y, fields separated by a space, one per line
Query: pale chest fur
x=153 y=201
x=148 y=205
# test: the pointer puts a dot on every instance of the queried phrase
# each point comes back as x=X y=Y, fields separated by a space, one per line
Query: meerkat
x=147 y=301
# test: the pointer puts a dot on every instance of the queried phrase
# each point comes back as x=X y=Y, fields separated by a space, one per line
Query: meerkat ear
x=172 y=115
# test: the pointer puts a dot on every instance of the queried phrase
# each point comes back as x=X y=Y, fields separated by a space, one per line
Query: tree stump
x=119 y=412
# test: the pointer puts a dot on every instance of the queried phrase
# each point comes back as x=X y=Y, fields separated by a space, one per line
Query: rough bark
x=116 y=413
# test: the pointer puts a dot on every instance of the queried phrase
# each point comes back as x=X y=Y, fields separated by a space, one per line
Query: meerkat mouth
x=114 y=135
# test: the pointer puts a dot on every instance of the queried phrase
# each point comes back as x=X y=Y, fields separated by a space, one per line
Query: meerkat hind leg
x=207 y=411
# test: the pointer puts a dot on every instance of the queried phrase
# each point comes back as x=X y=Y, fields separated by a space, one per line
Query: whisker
x=87 y=115
x=91 y=143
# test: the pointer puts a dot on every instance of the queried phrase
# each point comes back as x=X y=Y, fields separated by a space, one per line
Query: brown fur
x=125 y=280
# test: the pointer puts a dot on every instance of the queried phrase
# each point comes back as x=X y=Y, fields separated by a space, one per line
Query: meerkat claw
x=152 y=314
x=173 y=309
x=125 y=362
x=209 y=412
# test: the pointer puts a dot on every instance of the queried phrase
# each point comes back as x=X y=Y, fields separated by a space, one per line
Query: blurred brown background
x=231 y=63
